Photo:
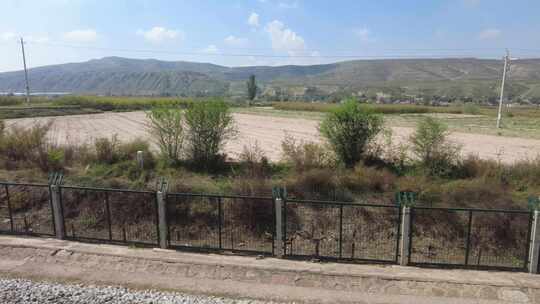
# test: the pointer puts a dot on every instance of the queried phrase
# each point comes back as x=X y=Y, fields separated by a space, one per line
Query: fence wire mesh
x=342 y=231
x=221 y=222
x=470 y=238
x=26 y=209
x=110 y=215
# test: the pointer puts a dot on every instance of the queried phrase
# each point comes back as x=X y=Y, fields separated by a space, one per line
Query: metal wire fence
x=234 y=223
x=26 y=209
x=342 y=231
x=113 y=215
x=470 y=238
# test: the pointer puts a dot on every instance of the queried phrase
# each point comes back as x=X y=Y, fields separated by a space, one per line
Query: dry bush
x=32 y=147
x=111 y=151
x=521 y=174
x=254 y=162
x=252 y=186
x=318 y=184
x=369 y=179
x=304 y=156
x=387 y=153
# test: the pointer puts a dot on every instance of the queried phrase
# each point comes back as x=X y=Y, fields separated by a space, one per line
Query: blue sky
x=265 y=32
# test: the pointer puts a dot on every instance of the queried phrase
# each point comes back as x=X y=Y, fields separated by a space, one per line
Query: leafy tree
x=349 y=129
x=209 y=125
x=251 y=88
x=430 y=144
x=167 y=127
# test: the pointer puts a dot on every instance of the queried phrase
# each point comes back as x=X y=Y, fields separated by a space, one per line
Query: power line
x=259 y=55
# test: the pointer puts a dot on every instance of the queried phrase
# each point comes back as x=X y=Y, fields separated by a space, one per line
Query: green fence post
x=55 y=182
x=534 y=253
x=406 y=201
x=161 y=197
x=278 y=194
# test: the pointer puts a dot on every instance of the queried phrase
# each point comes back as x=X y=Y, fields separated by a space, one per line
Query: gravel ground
x=24 y=291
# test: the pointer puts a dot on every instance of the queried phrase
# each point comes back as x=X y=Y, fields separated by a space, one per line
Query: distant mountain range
x=468 y=77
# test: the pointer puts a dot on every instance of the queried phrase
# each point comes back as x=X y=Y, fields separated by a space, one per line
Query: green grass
x=41 y=111
x=521 y=122
x=121 y=103
x=377 y=108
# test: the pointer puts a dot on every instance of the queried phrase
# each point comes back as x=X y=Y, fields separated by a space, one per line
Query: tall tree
x=251 y=88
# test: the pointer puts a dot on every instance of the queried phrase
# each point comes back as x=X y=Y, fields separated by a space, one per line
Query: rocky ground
x=18 y=291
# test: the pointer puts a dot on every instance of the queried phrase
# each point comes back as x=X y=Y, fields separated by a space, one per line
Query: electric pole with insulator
x=501 y=100
x=25 y=73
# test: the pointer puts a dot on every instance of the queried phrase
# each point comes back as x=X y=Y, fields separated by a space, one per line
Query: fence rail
x=340 y=231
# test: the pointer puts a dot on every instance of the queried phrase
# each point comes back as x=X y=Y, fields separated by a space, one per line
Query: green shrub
x=209 y=125
x=55 y=160
x=112 y=151
x=349 y=129
x=10 y=101
x=471 y=108
x=430 y=144
x=127 y=151
x=167 y=129
x=106 y=150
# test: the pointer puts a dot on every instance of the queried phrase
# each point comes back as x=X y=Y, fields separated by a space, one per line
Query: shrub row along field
x=121 y=103
x=377 y=108
x=16 y=107
x=354 y=167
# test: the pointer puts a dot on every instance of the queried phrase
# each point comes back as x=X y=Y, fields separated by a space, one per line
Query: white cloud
x=15 y=37
x=284 y=39
x=488 y=34
x=211 y=49
x=159 y=34
x=8 y=36
x=88 y=35
x=236 y=41
x=38 y=39
x=253 y=20
x=363 y=33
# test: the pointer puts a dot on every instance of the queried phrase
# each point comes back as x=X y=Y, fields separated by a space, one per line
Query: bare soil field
x=265 y=131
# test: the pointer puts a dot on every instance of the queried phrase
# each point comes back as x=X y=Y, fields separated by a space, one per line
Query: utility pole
x=506 y=66
x=25 y=73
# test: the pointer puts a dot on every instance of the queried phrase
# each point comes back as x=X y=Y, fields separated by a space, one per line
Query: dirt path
x=267 y=132
x=269 y=279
